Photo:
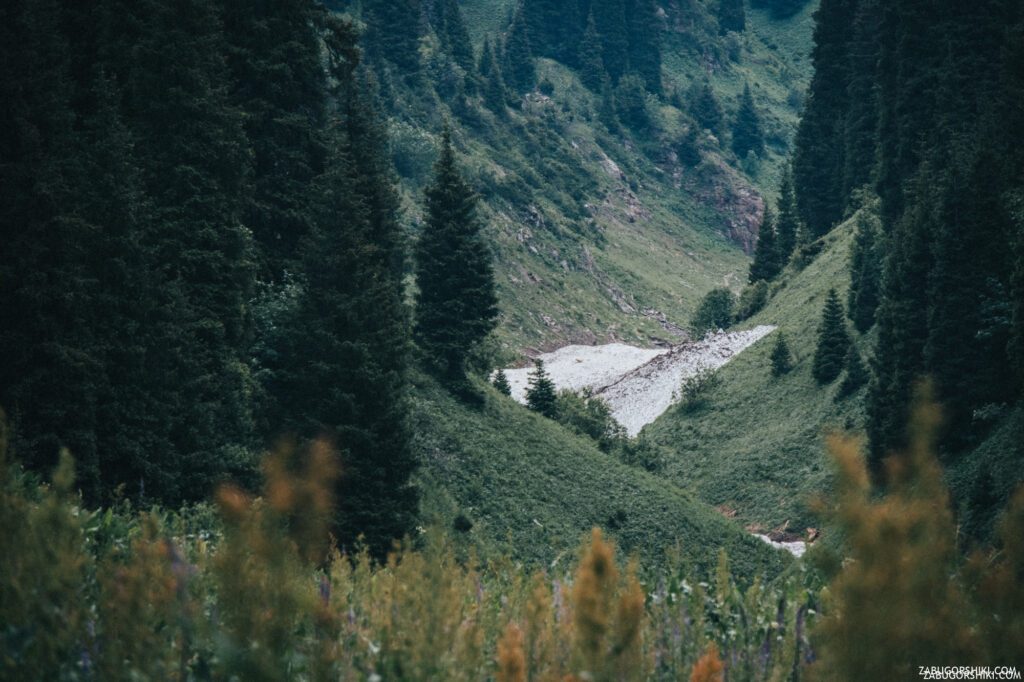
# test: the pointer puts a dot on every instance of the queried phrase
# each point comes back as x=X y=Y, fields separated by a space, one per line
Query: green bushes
x=261 y=599
x=589 y=416
x=262 y=596
x=697 y=388
x=713 y=313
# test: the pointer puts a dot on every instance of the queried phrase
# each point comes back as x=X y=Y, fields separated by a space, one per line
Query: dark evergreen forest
x=920 y=105
x=202 y=251
x=288 y=290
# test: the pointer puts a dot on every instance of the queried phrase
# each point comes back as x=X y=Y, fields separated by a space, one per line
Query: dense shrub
x=697 y=388
x=752 y=300
x=713 y=313
x=588 y=415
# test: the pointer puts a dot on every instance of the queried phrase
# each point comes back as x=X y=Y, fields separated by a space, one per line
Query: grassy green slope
x=594 y=234
x=532 y=490
x=758 y=447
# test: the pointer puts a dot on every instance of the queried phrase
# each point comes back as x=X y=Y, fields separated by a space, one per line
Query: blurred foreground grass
x=253 y=591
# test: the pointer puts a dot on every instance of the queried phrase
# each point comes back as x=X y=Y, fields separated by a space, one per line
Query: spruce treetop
x=833 y=341
x=540 y=395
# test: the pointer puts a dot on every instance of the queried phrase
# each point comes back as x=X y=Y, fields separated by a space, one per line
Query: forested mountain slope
x=606 y=229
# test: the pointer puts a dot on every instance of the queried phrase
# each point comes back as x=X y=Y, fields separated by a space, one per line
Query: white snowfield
x=638 y=384
x=797 y=548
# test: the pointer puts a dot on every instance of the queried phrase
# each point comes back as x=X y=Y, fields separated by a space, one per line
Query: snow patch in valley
x=579 y=367
x=639 y=384
x=796 y=548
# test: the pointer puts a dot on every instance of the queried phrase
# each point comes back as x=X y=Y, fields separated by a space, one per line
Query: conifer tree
x=766 y=264
x=456 y=35
x=554 y=28
x=865 y=272
x=781 y=357
x=521 y=74
x=195 y=162
x=856 y=374
x=501 y=383
x=860 y=127
x=779 y=9
x=688 y=147
x=274 y=58
x=787 y=225
x=494 y=85
x=704 y=107
x=631 y=103
x=969 y=315
x=47 y=363
x=349 y=330
x=731 y=16
x=833 y=341
x=746 y=128
x=487 y=59
x=592 y=72
x=393 y=32
x=714 y=312
x=818 y=159
x=456 y=304
x=608 y=112
x=902 y=319
x=645 y=43
x=610 y=18
x=1015 y=347
x=540 y=394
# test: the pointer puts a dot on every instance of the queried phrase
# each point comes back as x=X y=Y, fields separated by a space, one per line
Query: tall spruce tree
x=731 y=16
x=767 y=263
x=865 y=270
x=780 y=9
x=645 y=43
x=902 y=319
x=554 y=28
x=610 y=17
x=540 y=394
x=608 y=112
x=393 y=32
x=521 y=74
x=781 y=357
x=592 y=72
x=969 y=311
x=833 y=341
x=631 y=103
x=706 y=110
x=908 y=57
x=1015 y=347
x=456 y=304
x=340 y=364
x=860 y=127
x=114 y=211
x=456 y=35
x=494 y=84
x=818 y=159
x=787 y=225
x=195 y=163
x=274 y=57
x=48 y=366
x=856 y=374
x=746 y=128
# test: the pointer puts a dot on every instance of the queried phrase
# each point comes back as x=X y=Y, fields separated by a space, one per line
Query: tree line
x=202 y=251
x=914 y=115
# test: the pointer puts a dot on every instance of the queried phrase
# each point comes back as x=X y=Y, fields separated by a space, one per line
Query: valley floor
x=639 y=384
